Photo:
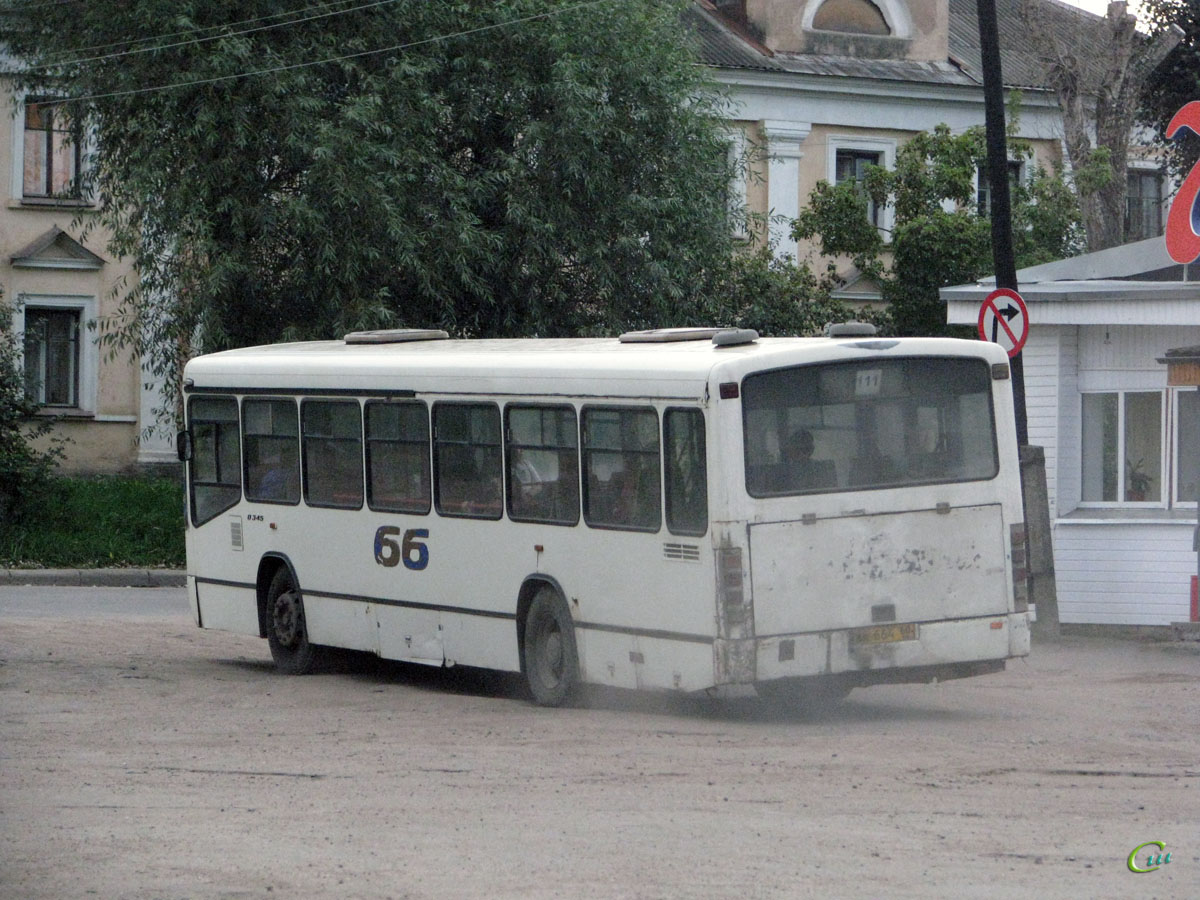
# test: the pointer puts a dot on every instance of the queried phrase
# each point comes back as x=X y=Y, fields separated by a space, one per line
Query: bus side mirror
x=183 y=446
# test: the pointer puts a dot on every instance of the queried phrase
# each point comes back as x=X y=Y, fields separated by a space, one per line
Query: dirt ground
x=143 y=758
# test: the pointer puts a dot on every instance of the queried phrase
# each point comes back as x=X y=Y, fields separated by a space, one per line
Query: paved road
x=59 y=602
x=143 y=758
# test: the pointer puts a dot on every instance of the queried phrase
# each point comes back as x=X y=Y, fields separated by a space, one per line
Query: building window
x=1123 y=447
x=1187 y=447
x=984 y=194
x=851 y=165
x=52 y=356
x=53 y=151
x=851 y=16
x=1143 y=205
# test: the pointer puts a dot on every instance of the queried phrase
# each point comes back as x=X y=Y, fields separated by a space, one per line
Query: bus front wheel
x=287 y=632
x=551 y=658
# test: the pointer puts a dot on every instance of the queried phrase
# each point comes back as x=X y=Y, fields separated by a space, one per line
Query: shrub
x=26 y=472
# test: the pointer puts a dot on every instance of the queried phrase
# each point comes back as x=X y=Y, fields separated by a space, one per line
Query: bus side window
x=621 y=469
x=542 y=444
x=270 y=435
x=215 y=467
x=333 y=460
x=398 y=457
x=686 y=472
x=467 y=460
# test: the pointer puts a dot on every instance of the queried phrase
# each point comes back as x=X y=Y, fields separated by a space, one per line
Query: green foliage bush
x=109 y=521
x=26 y=471
x=939 y=237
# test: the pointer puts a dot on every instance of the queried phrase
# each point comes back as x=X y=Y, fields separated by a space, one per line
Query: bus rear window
x=868 y=424
x=215 y=468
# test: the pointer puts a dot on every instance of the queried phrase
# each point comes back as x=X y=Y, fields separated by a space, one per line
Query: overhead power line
x=218 y=31
x=333 y=59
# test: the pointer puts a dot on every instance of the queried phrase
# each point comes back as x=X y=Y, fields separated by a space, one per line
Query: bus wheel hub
x=286 y=618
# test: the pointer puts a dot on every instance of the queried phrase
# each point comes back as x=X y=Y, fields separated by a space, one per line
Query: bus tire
x=551 y=657
x=287 y=631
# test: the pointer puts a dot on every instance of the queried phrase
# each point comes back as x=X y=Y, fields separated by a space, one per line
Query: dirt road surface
x=143 y=758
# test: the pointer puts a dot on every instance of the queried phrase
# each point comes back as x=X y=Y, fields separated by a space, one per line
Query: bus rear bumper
x=939 y=650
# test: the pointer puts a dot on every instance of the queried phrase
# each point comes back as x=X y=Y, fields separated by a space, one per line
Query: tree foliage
x=1176 y=81
x=777 y=297
x=495 y=168
x=1099 y=71
x=28 y=454
x=939 y=237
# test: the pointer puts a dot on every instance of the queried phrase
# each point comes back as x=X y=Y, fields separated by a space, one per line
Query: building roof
x=1135 y=284
x=724 y=45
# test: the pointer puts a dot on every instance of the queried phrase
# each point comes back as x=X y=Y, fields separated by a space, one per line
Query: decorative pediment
x=56 y=250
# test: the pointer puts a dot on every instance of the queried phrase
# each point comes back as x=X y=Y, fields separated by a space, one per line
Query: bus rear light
x=1020 y=569
x=731 y=592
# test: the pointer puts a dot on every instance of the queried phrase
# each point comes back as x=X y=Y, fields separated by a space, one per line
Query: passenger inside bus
x=799 y=471
x=276 y=478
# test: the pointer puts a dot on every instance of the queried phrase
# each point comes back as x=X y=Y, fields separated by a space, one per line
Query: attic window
x=851 y=16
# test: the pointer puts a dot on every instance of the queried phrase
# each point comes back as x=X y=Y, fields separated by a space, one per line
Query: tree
x=1176 y=81
x=940 y=238
x=1098 y=69
x=495 y=168
x=776 y=297
x=28 y=454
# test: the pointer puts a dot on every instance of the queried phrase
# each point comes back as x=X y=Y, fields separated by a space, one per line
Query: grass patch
x=101 y=522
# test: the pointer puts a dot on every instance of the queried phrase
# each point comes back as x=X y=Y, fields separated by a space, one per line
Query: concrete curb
x=94 y=577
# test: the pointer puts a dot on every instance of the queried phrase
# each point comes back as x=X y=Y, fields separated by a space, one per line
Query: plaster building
x=58 y=283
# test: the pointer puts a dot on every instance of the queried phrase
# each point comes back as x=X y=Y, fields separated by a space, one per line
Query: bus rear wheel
x=287 y=631
x=551 y=658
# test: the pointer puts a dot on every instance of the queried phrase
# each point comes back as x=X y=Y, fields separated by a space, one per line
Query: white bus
x=679 y=509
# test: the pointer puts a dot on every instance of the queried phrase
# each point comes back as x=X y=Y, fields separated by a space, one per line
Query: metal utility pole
x=1041 y=582
x=1003 y=259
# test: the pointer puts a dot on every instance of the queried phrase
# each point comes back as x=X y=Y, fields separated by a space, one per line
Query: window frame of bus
x=198 y=444
x=510 y=446
x=246 y=454
x=424 y=443
x=867 y=363
x=585 y=468
x=307 y=404
x=686 y=412
x=439 y=442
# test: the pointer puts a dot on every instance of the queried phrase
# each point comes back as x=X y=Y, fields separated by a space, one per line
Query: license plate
x=884 y=634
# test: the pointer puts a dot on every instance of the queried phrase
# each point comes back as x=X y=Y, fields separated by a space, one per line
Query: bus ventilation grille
x=235 y=532
x=686 y=552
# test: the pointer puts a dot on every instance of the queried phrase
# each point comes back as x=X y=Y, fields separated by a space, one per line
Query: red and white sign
x=1004 y=320
x=1183 y=219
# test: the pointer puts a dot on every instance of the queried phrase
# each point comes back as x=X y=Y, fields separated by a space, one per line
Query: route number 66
x=411 y=549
